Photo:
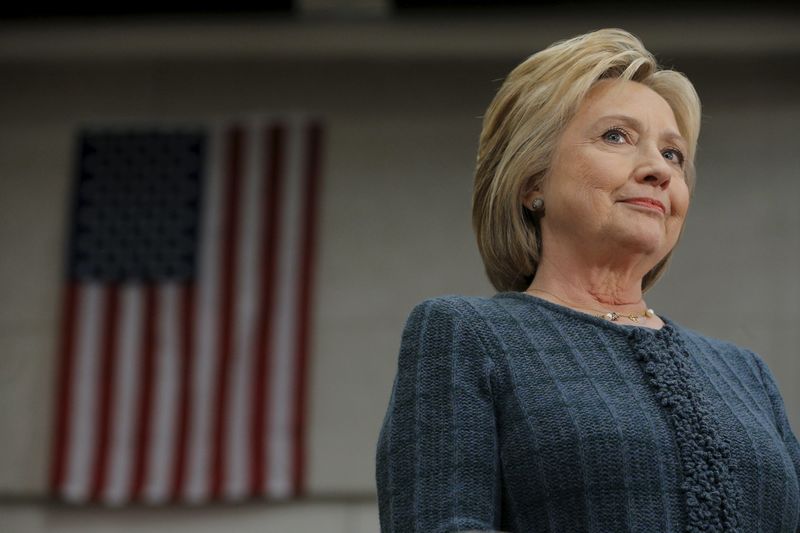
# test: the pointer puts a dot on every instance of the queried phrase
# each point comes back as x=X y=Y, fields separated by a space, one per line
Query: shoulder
x=444 y=333
x=722 y=352
x=477 y=311
x=466 y=316
x=470 y=311
x=456 y=305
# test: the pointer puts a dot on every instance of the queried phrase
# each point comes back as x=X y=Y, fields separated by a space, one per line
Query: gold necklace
x=610 y=315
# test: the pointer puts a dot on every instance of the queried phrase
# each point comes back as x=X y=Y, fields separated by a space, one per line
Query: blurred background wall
x=402 y=89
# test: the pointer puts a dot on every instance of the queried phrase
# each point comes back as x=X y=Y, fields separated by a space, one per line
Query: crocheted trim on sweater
x=711 y=492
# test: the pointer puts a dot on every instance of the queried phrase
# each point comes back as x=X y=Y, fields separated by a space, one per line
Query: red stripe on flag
x=273 y=149
x=187 y=347
x=143 y=420
x=230 y=233
x=312 y=171
x=63 y=399
x=105 y=381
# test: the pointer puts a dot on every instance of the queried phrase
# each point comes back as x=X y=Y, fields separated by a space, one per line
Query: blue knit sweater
x=513 y=413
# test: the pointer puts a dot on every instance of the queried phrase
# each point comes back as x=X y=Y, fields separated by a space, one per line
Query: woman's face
x=623 y=143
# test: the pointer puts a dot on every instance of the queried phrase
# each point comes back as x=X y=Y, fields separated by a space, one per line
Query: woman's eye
x=615 y=135
x=677 y=155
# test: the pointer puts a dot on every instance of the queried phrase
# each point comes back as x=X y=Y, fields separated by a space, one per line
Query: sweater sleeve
x=779 y=412
x=437 y=466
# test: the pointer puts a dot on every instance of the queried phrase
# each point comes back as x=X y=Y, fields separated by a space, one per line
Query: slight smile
x=648 y=203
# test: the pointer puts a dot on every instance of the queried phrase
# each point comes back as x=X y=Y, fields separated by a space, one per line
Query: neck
x=599 y=286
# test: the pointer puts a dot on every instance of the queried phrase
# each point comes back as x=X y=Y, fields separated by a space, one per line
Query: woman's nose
x=655 y=169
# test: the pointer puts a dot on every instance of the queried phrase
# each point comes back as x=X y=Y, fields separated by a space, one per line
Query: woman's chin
x=642 y=241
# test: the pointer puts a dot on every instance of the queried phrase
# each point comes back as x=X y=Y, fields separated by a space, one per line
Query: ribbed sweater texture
x=512 y=413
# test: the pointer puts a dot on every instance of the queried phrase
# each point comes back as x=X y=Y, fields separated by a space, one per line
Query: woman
x=564 y=403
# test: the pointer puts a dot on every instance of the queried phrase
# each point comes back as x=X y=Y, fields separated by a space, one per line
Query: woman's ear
x=529 y=192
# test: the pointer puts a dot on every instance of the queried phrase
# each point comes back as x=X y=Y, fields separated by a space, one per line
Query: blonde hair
x=521 y=128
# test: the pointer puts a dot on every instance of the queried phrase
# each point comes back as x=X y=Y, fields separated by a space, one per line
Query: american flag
x=186 y=312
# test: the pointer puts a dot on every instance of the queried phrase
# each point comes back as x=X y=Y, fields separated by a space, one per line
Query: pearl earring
x=537 y=204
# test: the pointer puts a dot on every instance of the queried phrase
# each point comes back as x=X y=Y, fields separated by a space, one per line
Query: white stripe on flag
x=87 y=351
x=166 y=390
x=239 y=406
x=206 y=329
x=126 y=395
x=279 y=434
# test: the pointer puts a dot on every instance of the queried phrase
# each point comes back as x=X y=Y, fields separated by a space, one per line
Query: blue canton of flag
x=137 y=206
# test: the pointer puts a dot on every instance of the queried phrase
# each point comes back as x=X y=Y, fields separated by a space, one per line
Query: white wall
x=394 y=229
x=330 y=517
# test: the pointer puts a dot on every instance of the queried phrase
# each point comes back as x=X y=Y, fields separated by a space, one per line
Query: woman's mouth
x=649 y=203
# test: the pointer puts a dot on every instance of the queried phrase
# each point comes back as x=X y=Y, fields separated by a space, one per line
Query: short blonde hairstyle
x=521 y=129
